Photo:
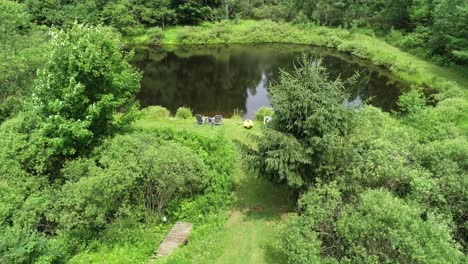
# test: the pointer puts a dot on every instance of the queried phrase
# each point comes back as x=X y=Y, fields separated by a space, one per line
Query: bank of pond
x=223 y=79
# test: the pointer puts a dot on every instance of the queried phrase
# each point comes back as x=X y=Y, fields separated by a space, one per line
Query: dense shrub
x=378 y=229
x=155 y=35
x=145 y=174
x=184 y=113
x=23 y=246
x=385 y=229
x=156 y=112
x=411 y=102
x=263 y=112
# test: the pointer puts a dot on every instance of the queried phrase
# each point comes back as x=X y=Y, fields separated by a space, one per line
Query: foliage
x=374 y=186
x=129 y=179
x=385 y=229
x=449 y=29
x=25 y=246
x=144 y=173
x=23 y=51
x=279 y=158
x=156 y=112
x=156 y=35
x=263 y=112
x=379 y=228
x=301 y=237
x=309 y=121
x=86 y=82
x=411 y=102
x=184 y=113
x=440 y=23
x=171 y=171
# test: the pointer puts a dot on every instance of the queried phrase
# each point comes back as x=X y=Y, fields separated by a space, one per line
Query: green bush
x=184 y=113
x=263 y=112
x=380 y=228
x=412 y=101
x=221 y=31
x=156 y=112
x=142 y=174
x=22 y=246
x=155 y=35
x=385 y=229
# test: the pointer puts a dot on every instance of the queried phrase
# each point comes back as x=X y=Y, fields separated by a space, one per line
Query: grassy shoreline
x=447 y=85
x=404 y=65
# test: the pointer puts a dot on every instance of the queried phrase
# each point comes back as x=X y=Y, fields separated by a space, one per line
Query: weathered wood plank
x=177 y=237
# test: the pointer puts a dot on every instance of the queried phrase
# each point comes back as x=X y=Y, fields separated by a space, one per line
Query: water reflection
x=220 y=79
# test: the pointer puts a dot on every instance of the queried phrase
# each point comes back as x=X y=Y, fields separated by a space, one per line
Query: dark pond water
x=223 y=79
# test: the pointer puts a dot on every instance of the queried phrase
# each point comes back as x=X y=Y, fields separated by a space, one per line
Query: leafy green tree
x=421 y=13
x=64 y=13
x=390 y=14
x=195 y=11
x=85 y=92
x=329 y=12
x=154 y=13
x=121 y=16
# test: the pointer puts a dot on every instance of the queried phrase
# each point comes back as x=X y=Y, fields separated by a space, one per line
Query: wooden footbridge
x=177 y=237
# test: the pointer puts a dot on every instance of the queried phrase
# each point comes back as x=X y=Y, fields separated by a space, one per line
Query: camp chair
x=200 y=120
x=218 y=119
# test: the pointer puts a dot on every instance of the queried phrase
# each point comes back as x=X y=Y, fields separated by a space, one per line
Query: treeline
x=431 y=27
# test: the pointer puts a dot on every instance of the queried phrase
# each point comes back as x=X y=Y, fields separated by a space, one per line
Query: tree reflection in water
x=220 y=79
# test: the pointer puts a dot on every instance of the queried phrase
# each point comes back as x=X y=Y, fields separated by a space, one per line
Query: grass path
x=256 y=213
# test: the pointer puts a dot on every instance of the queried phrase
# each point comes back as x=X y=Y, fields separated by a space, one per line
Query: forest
x=88 y=175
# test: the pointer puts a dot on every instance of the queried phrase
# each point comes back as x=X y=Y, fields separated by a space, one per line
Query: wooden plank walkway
x=177 y=237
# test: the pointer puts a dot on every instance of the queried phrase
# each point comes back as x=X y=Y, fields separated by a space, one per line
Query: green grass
x=259 y=206
x=249 y=234
x=231 y=128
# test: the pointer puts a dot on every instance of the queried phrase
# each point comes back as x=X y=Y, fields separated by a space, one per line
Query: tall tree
x=309 y=121
x=86 y=91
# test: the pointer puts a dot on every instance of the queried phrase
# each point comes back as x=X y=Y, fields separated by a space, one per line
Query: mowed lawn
x=259 y=207
x=250 y=231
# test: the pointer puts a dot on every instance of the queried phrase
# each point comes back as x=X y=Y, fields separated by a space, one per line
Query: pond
x=224 y=79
